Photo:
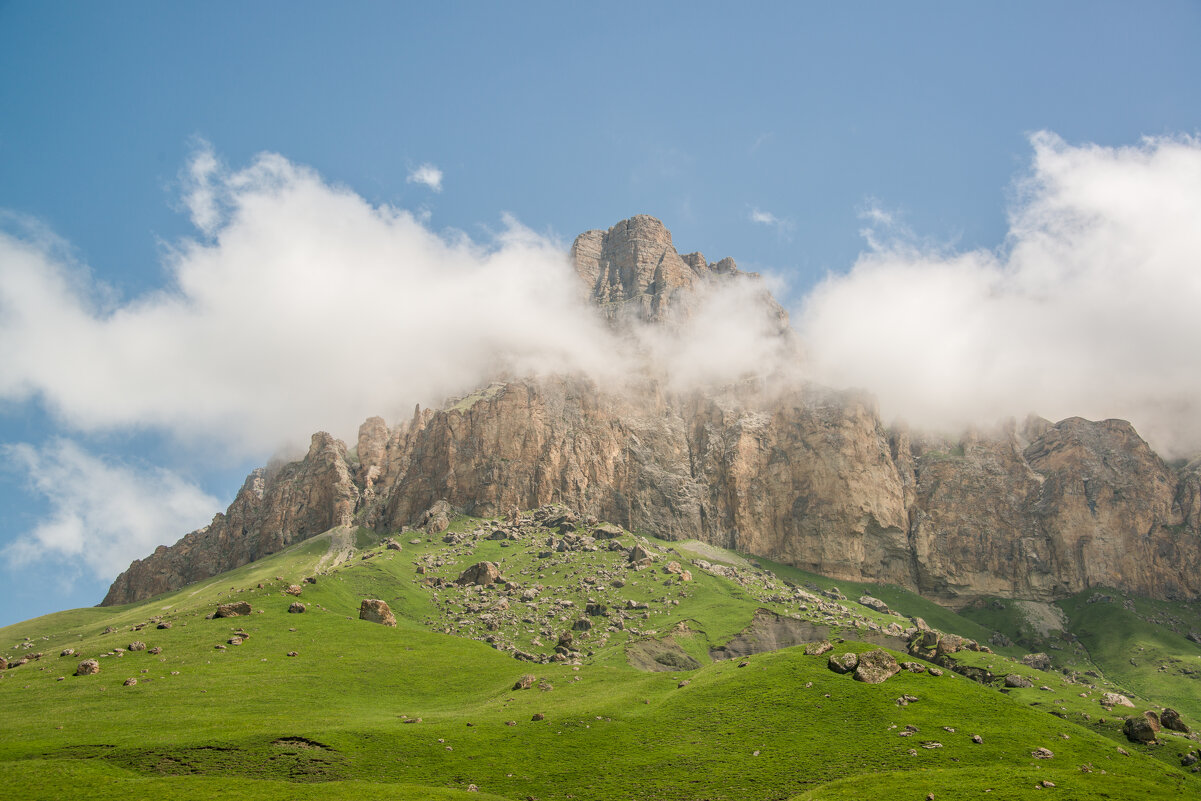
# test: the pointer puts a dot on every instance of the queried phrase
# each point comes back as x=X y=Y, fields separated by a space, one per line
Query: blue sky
x=774 y=134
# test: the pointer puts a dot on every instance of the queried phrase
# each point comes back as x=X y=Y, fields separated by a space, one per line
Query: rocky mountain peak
x=802 y=475
x=633 y=272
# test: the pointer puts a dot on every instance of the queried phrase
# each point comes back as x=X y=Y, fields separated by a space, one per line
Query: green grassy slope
x=336 y=721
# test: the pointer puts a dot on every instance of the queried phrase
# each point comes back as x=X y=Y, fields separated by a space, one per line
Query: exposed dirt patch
x=1044 y=618
x=297 y=759
x=711 y=553
x=659 y=656
x=300 y=742
x=341 y=547
x=770 y=632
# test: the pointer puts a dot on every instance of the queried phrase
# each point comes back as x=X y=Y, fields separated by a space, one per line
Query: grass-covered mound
x=428 y=709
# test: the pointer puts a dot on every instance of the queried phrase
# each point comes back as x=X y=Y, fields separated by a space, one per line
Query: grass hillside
x=428 y=709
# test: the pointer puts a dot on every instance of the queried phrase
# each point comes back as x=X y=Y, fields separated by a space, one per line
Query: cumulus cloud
x=428 y=175
x=103 y=513
x=1089 y=309
x=303 y=308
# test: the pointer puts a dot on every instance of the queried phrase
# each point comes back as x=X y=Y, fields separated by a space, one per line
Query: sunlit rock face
x=796 y=473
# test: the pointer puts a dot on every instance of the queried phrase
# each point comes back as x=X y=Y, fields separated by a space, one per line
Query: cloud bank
x=103 y=513
x=300 y=307
x=1089 y=309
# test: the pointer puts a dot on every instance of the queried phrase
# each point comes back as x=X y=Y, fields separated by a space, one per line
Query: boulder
x=237 y=609
x=818 y=648
x=1141 y=728
x=1017 y=680
x=437 y=518
x=875 y=603
x=483 y=574
x=137 y=645
x=949 y=644
x=673 y=567
x=876 y=666
x=1039 y=661
x=294 y=589
x=1115 y=699
x=607 y=531
x=166 y=624
x=1170 y=719
x=297 y=608
x=640 y=555
x=525 y=682
x=1042 y=753
x=374 y=610
x=66 y=652
x=88 y=667
x=393 y=545
x=130 y=682
x=844 y=663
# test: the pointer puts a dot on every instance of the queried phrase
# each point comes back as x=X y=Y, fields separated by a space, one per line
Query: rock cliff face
x=270 y=512
x=632 y=272
x=804 y=475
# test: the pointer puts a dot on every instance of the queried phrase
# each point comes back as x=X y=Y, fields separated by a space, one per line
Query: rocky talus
x=802 y=475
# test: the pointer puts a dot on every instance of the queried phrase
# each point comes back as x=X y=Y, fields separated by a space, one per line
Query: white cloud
x=103 y=513
x=764 y=217
x=304 y=308
x=427 y=174
x=783 y=226
x=1090 y=310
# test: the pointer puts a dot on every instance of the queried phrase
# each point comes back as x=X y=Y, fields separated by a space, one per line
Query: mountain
x=804 y=475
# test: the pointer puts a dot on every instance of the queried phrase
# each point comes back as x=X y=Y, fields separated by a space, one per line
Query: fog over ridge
x=299 y=306
x=1089 y=308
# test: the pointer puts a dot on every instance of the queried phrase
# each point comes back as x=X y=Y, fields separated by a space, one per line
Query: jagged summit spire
x=633 y=269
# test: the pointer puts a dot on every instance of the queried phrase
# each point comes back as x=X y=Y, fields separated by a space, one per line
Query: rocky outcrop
x=632 y=272
x=374 y=610
x=803 y=475
x=272 y=510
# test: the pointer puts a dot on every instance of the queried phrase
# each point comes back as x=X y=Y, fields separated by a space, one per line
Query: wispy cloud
x=427 y=174
x=103 y=513
x=783 y=226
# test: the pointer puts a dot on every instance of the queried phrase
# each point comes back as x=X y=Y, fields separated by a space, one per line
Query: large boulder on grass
x=483 y=574
x=88 y=667
x=843 y=663
x=874 y=667
x=237 y=609
x=1039 y=661
x=1141 y=728
x=1170 y=719
x=374 y=610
